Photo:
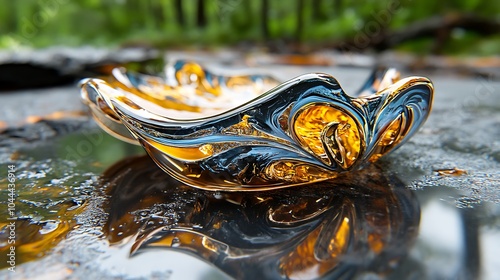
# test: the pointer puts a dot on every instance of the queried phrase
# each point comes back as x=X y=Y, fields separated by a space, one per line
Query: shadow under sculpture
x=364 y=221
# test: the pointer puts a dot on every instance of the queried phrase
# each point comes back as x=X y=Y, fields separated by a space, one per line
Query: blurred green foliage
x=179 y=23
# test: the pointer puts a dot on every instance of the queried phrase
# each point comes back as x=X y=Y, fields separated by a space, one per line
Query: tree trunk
x=201 y=18
x=300 y=20
x=265 y=19
x=157 y=13
x=179 y=12
x=317 y=11
x=337 y=7
x=437 y=27
x=12 y=20
x=249 y=14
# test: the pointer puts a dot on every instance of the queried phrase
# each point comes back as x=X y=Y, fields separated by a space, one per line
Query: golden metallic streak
x=184 y=153
x=296 y=172
x=193 y=73
x=303 y=262
x=169 y=97
x=451 y=172
x=318 y=125
x=244 y=127
x=241 y=128
x=338 y=243
x=393 y=134
x=389 y=138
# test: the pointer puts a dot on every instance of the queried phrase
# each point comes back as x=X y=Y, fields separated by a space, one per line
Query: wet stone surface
x=88 y=207
x=462 y=132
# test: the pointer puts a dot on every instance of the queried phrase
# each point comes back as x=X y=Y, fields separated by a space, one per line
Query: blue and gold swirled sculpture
x=304 y=130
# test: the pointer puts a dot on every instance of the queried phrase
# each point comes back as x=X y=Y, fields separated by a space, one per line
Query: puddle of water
x=87 y=207
x=53 y=183
x=359 y=223
x=457 y=237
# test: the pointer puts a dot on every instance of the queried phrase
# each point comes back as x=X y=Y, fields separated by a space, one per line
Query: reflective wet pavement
x=91 y=206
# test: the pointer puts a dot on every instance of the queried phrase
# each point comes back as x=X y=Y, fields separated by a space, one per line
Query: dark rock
x=24 y=75
x=60 y=66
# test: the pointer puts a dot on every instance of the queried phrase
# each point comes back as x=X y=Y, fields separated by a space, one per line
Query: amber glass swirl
x=250 y=132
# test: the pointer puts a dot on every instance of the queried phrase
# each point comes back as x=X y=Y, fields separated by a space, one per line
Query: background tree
x=264 y=10
x=201 y=17
x=300 y=20
x=179 y=13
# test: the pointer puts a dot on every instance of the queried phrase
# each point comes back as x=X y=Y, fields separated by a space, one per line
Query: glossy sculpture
x=250 y=132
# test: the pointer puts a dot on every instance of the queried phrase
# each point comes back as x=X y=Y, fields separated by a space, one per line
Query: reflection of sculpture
x=357 y=223
x=304 y=130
